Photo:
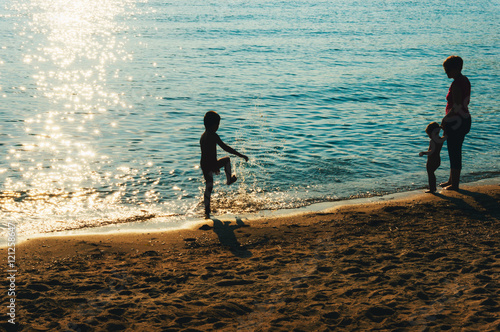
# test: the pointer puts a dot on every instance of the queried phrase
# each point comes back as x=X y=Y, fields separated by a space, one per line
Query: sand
x=425 y=263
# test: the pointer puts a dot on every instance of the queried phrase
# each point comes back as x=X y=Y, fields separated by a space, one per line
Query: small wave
x=176 y=98
x=92 y=223
x=79 y=224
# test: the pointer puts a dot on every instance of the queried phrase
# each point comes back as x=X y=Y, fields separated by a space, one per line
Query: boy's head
x=431 y=128
x=211 y=120
x=453 y=63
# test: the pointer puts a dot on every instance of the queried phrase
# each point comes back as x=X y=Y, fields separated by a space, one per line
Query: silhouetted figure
x=457 y=122
x=210 y=165
x=433 y=153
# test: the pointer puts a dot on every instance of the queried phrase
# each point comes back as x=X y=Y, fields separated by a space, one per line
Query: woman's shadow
x=486 y=208
x=227 y=238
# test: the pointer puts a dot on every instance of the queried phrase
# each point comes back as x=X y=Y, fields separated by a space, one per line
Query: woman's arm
x=458 y=99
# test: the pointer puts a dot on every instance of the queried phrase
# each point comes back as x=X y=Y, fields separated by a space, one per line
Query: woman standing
x=457 y=122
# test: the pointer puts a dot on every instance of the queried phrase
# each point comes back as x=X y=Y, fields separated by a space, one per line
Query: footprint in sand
x=379 y=313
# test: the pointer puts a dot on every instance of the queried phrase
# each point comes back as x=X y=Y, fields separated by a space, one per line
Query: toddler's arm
x=432 y=148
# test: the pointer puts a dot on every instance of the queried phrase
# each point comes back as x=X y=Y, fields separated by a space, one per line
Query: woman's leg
x=455 y=143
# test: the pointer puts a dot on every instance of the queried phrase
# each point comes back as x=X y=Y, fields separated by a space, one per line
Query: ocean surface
x=102 y=103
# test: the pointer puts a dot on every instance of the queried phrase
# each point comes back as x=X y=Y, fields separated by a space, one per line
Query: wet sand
x=425 y=263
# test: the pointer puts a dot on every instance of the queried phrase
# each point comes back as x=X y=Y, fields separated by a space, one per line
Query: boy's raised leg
x=227 y=168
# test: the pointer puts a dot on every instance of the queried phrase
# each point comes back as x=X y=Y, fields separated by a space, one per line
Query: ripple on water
x=104 y=100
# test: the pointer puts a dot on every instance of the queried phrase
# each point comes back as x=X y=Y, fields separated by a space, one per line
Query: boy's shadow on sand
x=225 y=232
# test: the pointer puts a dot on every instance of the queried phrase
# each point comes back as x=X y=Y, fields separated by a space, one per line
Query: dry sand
x=427 y=263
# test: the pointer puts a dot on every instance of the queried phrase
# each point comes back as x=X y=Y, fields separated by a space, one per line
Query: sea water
x=102 y=102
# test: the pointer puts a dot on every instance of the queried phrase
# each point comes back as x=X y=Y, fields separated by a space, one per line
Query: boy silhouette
x=210 y=165
x=433 y=153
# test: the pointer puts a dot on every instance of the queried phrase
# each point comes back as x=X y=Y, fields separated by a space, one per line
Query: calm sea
x=102 y=102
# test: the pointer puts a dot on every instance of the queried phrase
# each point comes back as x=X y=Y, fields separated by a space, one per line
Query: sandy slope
x=426 y=263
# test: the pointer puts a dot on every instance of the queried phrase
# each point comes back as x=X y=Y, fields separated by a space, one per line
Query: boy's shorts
x=208 y=172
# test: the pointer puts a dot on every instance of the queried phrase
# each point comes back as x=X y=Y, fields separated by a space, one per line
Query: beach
x=429 y=262
x=101 y=195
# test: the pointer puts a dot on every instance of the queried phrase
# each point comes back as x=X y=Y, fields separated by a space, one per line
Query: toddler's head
x=432 y=129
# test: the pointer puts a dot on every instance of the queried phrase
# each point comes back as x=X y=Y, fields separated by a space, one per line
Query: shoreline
x=156 y=225
x=419 y=262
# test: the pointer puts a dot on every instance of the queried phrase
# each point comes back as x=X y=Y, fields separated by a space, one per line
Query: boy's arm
x=229 y=149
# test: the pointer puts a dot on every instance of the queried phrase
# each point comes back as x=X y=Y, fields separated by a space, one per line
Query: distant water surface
x=103 y=102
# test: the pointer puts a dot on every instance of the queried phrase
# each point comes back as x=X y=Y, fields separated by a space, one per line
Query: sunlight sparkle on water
x=103 y=103
x=71 y=47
